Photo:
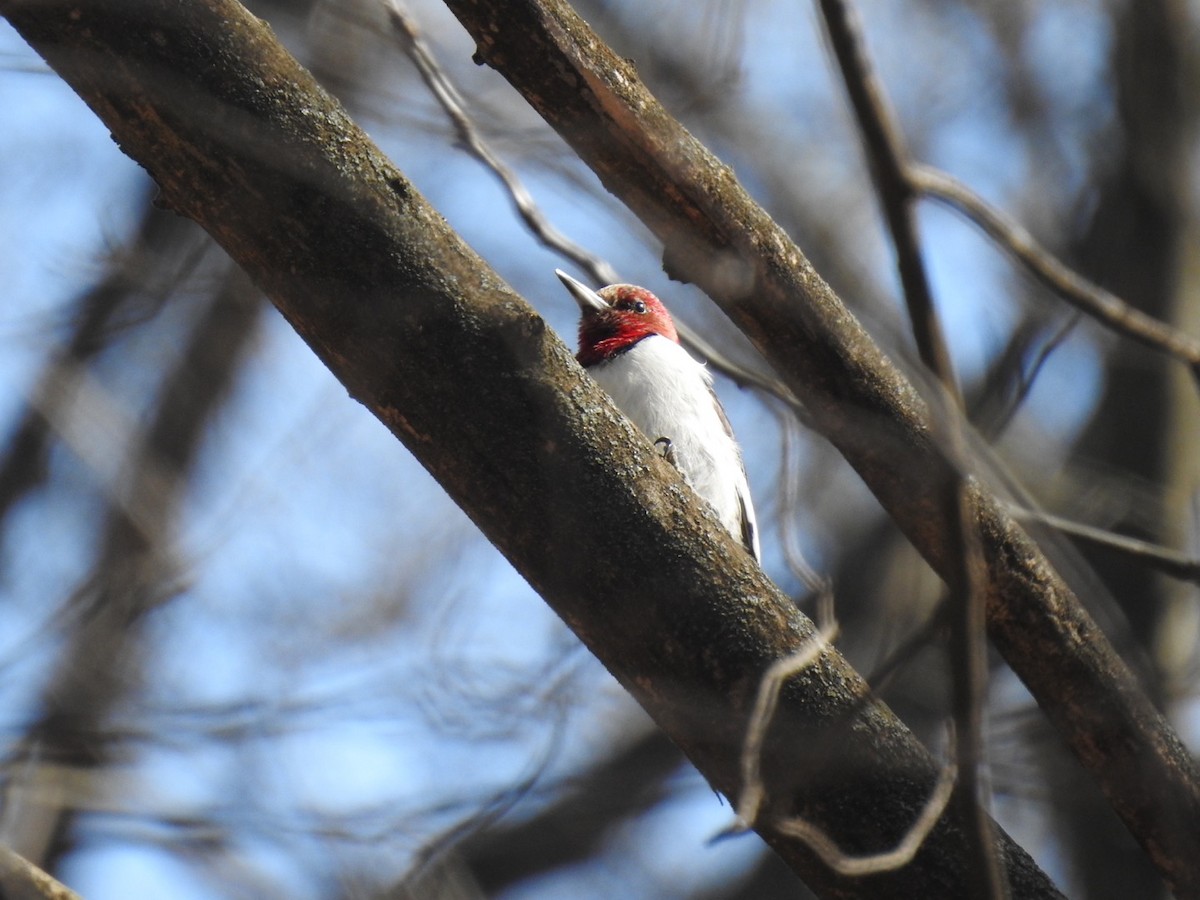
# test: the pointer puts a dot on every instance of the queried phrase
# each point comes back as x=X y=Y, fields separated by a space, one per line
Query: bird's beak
x=588 y=300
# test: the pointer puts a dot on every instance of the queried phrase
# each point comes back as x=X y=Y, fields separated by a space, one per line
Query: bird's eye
x=638 y=306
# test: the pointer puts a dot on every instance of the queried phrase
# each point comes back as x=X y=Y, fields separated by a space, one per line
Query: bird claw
x=668 y=452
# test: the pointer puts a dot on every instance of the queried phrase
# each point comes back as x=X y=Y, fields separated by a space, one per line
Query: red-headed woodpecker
x=628 y=343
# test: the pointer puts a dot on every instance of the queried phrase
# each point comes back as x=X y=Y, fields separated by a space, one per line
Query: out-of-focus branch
x=715 y=235
x=570 y=829
x=155 y=257
x=890 y=164
x=136 y=569
x=1161 y=559
x=1089 y=298
x=22 y=880
x=418 y=328
x=1003 y=392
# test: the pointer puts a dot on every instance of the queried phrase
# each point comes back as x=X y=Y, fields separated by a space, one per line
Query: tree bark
x=715 y=235
x=22 y=880
x=240 y=138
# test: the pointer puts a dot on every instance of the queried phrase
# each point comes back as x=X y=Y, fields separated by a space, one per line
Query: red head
x=615 y=318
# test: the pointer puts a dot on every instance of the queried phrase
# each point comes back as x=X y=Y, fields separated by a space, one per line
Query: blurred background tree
x=327 y=684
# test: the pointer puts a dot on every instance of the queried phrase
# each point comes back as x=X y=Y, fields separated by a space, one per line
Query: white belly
x=667 y=394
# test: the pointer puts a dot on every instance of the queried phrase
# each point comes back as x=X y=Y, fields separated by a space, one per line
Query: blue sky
x=306 y=523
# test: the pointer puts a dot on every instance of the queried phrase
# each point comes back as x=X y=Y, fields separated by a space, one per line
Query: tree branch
x=22 y=880
x=418 y=329
x=716 y=236
x=891 y=164
x=1105 y=307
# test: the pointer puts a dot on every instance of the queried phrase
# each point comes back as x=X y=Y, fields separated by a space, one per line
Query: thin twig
x=872 y=864
x=1106 y=308
x=880 y=677
x=889 y=163
x=1161 y=559
x=996 y=424
x=793 y=554
x=753 y=793
x=742 y=376
x=453 y=105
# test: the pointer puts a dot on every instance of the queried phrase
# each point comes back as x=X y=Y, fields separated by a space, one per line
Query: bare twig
x=816 y=583
x=993 y=425
x=140 y=275
x=1106 y=308
x=889 y=163
x=884 y=672
x=742 y=376
x=872 y=864
x=1161 y=559
x=454 y=106
x=753 y=793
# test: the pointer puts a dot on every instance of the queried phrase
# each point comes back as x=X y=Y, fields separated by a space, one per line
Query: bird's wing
x=749 y=522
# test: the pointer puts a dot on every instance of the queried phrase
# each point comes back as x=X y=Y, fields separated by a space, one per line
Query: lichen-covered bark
x=418 y=329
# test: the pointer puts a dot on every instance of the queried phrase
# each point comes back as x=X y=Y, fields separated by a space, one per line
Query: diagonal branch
x=417 y=328
x=1089 y=298
x=715 y=235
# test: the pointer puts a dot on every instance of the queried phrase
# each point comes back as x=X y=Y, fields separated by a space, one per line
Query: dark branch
x=890 y=163
x=419 y=330
x=715 y=235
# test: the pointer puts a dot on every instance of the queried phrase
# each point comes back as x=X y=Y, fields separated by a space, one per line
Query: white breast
x=667 y=394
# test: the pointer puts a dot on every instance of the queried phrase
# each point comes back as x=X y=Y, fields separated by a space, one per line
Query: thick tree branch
x=415 y=325
x=22 y=880
x=715 y=235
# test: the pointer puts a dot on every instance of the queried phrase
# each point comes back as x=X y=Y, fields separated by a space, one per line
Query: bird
x=628 y=343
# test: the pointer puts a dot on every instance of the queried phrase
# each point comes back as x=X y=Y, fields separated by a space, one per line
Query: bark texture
x=240 y=138
x=715 y=235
